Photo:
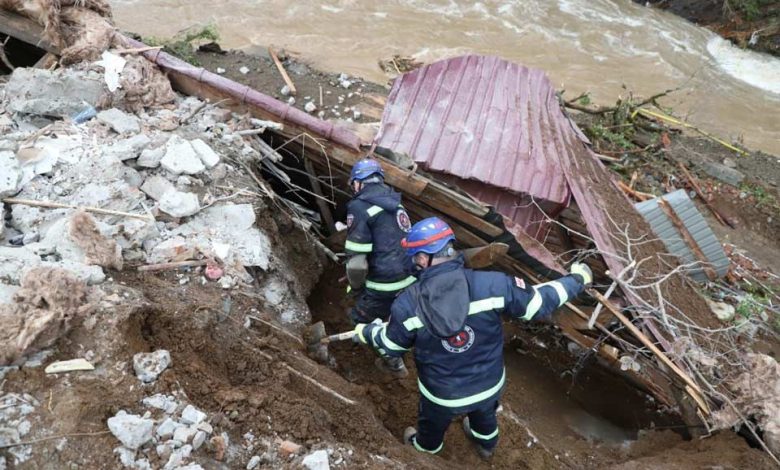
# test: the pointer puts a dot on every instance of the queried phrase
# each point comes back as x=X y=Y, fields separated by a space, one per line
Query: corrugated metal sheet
x=693 y=220
x=486 y=119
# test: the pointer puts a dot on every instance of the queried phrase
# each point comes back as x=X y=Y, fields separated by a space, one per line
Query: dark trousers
x=433 y=421
x=371 y=304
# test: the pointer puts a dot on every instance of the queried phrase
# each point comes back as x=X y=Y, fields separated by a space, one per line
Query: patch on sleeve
x=350 y=220
x=520 y=283
x=403 y=220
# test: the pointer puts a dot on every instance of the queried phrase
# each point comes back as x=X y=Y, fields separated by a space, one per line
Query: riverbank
x=750 y=24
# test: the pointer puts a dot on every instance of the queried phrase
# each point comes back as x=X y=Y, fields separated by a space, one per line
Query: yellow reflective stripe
x=359 y=247
x=373 y=210
x=388 y=342
x=391 y=286
x=533 y=306
x=465 y=401
x=413 y=323
x=559 y=289
x=422 y=449
x=373 y=335
x=485 y=437
x=484 y=305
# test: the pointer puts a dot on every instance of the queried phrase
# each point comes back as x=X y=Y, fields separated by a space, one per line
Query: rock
x=62 y=93
x=285 y=91
x=179 y=204
x=180 y=157
x=219 y=445
x=184 y=434
x=722 y=310
x=205 y=427
x=244 y=70
x=162 y=402
x=127 y=149
x=723 y=173
x=126 y=456
x=150 y=158
x=24 y=428
x=205 y=153
x=164 y=451
x=155 y=186
x=729 y=162
x=177 y=457
x=291 y=100
x=310 y=107
x=131 y=430
x=317 y=460
x=192 y=415
x=10 y=174
x=287 y=448
x=148 y=366
x=166 y=429
x=120 y=121
x=8 y=436
x=220 y=70
x=253 y=462
x=198 y=440
x=143 y=464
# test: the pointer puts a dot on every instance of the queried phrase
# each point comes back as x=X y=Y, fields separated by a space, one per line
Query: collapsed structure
x=478 y=141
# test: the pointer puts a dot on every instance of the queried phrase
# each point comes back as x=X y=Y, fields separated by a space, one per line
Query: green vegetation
x=751 y=9
x=760 y=194
x=615 y=135
x=182 y=44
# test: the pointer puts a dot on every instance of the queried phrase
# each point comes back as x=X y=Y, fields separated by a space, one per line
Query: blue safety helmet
x=364 y=169
x=429 y=235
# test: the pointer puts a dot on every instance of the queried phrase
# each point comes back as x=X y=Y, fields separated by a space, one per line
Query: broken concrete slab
x=10 y=174
x=15 y=262
x=150 y=158
x=179 y=204
x=148 y=366
x=208 y=156
x=132 y=431
x=317 y=460
x=62 y=93
x=180 y=157
x=155 y=186
x=120 y=121
x=192 y=415
x=723 y=173
x=127 y=149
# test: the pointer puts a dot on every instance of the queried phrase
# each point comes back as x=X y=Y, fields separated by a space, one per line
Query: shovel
x=317 y=339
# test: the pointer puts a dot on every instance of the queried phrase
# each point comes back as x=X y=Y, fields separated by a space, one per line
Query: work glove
x=583 y=271
x=359 y=338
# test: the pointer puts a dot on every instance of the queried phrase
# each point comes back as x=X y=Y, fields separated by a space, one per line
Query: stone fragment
x=150 y=158
x=126 y=456
x=166 y=429
x=287 y=448
x=285 y=91
x=177 y=457
x=179 y=204
x=310 y=107
x=162 y=402
x=62 y=93
x=120 y=121
x=127 y=149
x=205 y=427
x=148 y=366
x=180 y=157
x=184 y=434
x=244 y=70
x=10 y=174
x=198 y=440
x=317 y=460
x=192 y=415
x=723 y=173
x=132 y=431
x=722 y=310
x=253 y=462
x=155 y=186
x=208 y=156
x=7 y=293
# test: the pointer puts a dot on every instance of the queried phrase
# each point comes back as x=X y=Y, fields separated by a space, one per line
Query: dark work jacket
x=452 y=318
x=377 y=222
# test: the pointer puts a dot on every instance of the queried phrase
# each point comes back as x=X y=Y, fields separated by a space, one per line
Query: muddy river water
x=594 y=45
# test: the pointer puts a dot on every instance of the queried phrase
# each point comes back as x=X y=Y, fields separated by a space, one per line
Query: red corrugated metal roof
x=482 y=118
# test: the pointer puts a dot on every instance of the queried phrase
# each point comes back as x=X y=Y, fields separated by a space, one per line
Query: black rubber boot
x=485 y=454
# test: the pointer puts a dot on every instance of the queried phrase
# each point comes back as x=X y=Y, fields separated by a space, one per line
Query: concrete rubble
x=149 y=366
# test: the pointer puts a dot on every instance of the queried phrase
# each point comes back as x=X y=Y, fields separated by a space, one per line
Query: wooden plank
x=317 y=188
x=25 y=30
x=283 y=72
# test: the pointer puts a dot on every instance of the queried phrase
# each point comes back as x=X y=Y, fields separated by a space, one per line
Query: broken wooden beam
x=25 y=30
x=283 y=72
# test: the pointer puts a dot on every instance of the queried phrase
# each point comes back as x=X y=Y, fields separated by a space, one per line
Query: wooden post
x=317 y=188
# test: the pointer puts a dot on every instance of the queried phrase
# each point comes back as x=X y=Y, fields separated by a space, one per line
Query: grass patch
x=183 y=44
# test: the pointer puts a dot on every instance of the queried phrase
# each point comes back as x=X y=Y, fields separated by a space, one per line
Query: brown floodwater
x=607 y=47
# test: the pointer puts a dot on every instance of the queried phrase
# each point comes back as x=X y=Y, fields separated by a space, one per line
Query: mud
x=98 y=249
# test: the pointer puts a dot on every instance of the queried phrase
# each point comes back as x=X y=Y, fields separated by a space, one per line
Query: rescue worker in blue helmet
x=452 y=318
x=377 y=266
